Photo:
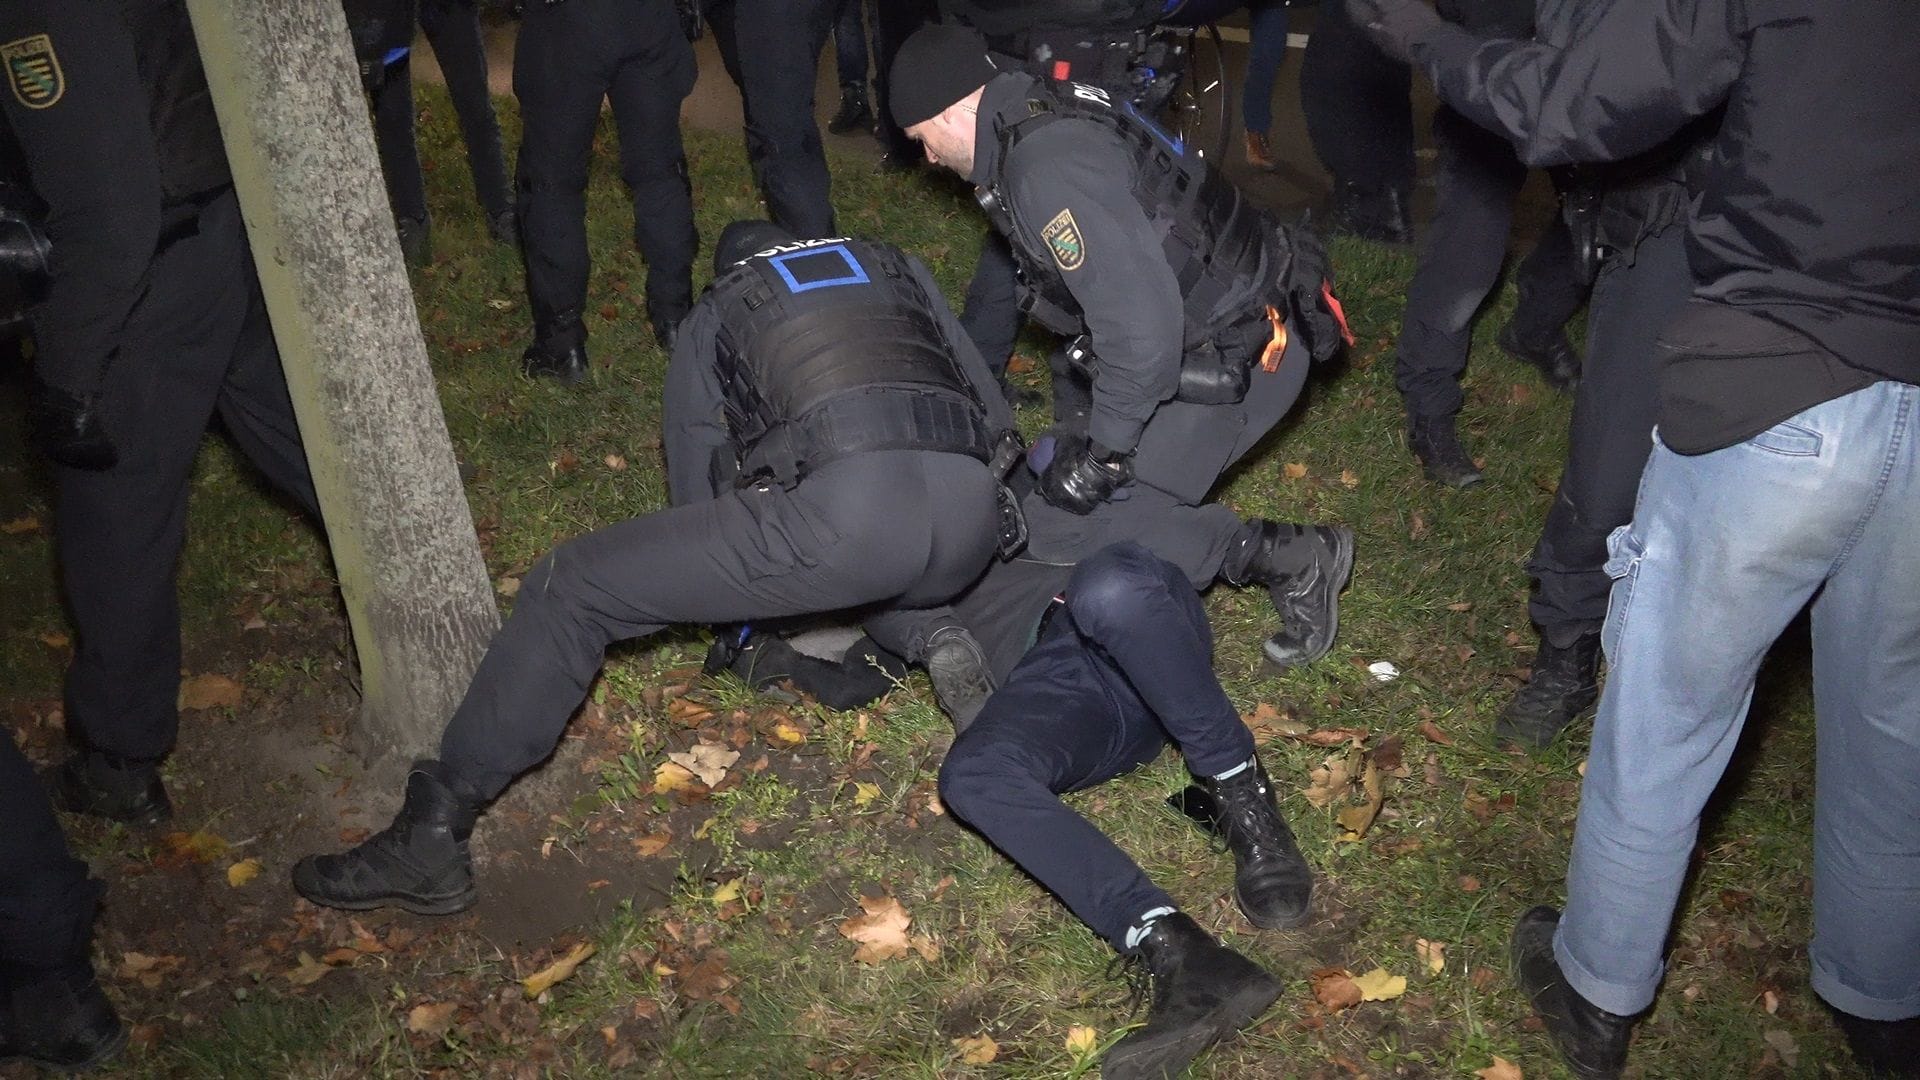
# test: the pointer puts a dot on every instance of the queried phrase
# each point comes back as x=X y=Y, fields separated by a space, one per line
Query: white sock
x=1236 y=770
x=1144 y=925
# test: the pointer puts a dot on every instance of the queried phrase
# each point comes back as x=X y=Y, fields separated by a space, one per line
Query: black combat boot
x=1592 y=1041
x=1556 y=359
x=59 y=1020
x=1371 y=213
x=1565 y=683
x=1203 y=992
x=853 y=111
x=962 y=681
x=112 y=787
x=1435 y=442
x=1304 y=584
x=1885 y=1049
x=1271 y=879
x=503 y=227
x=416 y=240
x=418 y=863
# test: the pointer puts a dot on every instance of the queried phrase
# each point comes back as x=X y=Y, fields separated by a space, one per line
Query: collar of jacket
x=1005 y=96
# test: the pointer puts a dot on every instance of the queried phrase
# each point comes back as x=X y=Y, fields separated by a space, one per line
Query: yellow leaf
x=924 y=944
x=787 y=732
x=1431 y=953
x=728 y=892
x=1348 y=478
x=672 y=776
x=541 y=981
x=1377 y=985
x=615 y=462
x=209 y=692
x=242 y=872
x=1501 y=1069
x=309 y=972
x=864 y=793
x=881 y=932
x=977 y=1050
x=1081 y=1040
x=1293 y=470
x=194 y=847
x=508 y=586
x=432 y=1019
x=1356 y=820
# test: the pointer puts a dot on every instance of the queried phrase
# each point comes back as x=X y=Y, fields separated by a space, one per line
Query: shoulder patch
x=1063 y=238
x=33 y=71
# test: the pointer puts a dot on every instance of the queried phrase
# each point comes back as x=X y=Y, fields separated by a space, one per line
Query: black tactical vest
x=1217 y=242
x=830 y=347
x=186 y=134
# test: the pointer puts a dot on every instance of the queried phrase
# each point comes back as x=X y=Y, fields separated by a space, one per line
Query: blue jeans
x=1266 y=48
x=1724 y=550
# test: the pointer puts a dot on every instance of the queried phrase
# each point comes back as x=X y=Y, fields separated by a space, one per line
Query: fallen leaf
x=1334 y=988
x=432 y=1019
x=19 y=525
x=1417 y=528
x=1267 y=722
x=864 y=793
x=145 y=969
x=1520 y=393
x=1501 y=1069
x=1432 y=733
x=1484 y=978
x=977 y=1049
x=1377 y=985
x=786 y=731
x=254 y=622
x=672 y=776
x=1293 y=470
x=309 y=972
x=1469 y=883
x=924 y=944
x=1356 y=820
x=1081 y=1040
x=196 y=847
x=708 y=761
x=1770 y=1001
x=209 y=692
x=652 y=844
x=1784 y=1045
x=543 y=980
x=1349 y=478
x=500 y=303
x=55 y=640
x=1431 y=953
x=1334 y=736
x=727 y=893
x=1328 y=782
x=881 y=932
x=1463 y=605
x=507 y=586
x=242 y=872
x=615 y=462
x=709 y=979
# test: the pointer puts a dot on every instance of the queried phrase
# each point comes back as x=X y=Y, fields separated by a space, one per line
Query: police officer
x=771 y=49
x=1478 y=179
x=1358 y=106
x=1187 y=301
x=570 y=56
x=827 y=426
x=153 y=323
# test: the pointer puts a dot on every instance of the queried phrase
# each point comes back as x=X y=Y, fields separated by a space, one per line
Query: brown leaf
x=146 y=970
x=543 y=980
x=198 y=847
x=1334 y=989
x=1501 y=1069
x=1349 y=478
x=432 y=1019
x=1328 y=782
x=708 y=979
x=1432 y=733
x=1267 y=722
x=1417 y=527
x=1520 y=393
x=609 y=312
x=672 y=776
x=209 y=692
x=1335 y=736
x=1293 y=470
x=1484 y=979
x=55 y=640
x=615 y=462
x=1469 y=883
x=1389 y=754
x=1462 y=605
x=653 y=843
x=1431 y=953
x=977 y=1049
x=309 y=972
x=708 y=761
x=1356 y=820
x=881 y=932
x=923 y=944
x=20 y=525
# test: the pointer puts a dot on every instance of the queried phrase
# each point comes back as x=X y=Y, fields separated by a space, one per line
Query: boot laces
x=1133 y=968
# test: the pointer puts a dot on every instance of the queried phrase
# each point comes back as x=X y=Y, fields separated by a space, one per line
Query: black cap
x=742 y=238
x=936 y=66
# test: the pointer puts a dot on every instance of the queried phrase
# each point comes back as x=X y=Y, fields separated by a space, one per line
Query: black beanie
x=742 y=238
x=936 y=66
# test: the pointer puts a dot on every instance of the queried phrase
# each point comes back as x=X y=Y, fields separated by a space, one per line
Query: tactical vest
x=829 y=348
x=1215 y=240
x=186 y=134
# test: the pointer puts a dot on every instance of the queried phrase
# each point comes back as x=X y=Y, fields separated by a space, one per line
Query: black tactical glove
x=68 y=430
x=1083 y=474
x=1393 y=25
x=1316 y=314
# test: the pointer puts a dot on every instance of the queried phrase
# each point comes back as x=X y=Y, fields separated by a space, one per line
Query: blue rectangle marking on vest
x=815 y=274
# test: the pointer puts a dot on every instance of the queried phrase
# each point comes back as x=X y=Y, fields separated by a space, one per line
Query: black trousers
x=47 y=900
x=1358 y=105
x=197 y=345
x=1635 y=296
x=1126 y=668
x=893 y=22
x=453 y=29
x=771 y=49
x=1479 y=178
x=895 y=528
x=569 y=58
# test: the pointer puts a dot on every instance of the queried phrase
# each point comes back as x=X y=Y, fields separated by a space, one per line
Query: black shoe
x=1308 y=599
x=1565 y=683
x=1203 y=992
x=962 y=681
x=416 y=240
x=666 y=320
x=1592 y=1041
x=503 y=227
x=418 y=863
x=106 y=786
x=1886 y=1049
x=570 y=367
x=853 y=112
x=61 y=1022
x=1556 y=360
x=1370 y=213
x=1434 y=441
x=1271 y=879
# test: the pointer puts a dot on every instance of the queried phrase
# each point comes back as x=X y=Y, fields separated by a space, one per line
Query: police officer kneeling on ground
x=827 y=429
x=1183 y=296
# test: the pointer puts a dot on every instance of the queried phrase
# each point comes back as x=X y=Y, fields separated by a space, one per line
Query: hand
x=1083 y=474
x=68 y=430
x=1393 y=25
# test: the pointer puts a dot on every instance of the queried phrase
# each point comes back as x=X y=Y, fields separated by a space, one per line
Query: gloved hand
x=1393 y=25
x=1083 y=474
x=1316 y=313
x=68 y=430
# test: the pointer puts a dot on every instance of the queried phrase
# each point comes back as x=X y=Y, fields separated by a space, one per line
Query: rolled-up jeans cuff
x=1828 y=984
x=1620 y=999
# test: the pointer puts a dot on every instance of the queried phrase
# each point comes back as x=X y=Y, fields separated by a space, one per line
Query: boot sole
x=1343 y=569
x=1506 y=733
x=451 y=905
x=1287 y=922
x=1157 y=1060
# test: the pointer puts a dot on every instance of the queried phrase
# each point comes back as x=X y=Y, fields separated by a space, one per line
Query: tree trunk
x=294 y=116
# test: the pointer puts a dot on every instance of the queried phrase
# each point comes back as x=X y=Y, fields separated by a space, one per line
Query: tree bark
x=294 y=117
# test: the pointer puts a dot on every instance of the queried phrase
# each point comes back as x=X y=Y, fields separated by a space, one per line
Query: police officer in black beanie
x=827 y=432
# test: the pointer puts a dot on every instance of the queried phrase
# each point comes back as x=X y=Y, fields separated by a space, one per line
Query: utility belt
x=1219 y=369
x=1609 y=221
x=862 y=421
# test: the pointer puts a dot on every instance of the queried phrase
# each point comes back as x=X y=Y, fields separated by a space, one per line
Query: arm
x=693 y=422
x=1076 y=179
x=979 y=376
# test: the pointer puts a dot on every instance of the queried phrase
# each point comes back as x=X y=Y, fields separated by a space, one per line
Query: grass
x=1439 y=592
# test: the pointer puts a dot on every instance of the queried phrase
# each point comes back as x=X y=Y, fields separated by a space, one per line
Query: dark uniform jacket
x=1807 y=215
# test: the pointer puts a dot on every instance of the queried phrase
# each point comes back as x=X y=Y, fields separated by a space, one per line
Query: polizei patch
x=34 y=71
x=1062 y=235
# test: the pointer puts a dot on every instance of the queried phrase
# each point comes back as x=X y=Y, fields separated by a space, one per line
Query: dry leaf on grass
x=1357 y=819
x=543 y=980
x=1349 y=478
x=672 y=776
x=652 y=844
x=1377 y=985
x=977 y=1049
x=209 y=692
x=1783 y=1045
x=199 y=847
x=309 y=972
x=1431 y=953
x=432 y=1019
x=242 y=872
x=1267 y=722
x=1334 y=989
x=507 y=586
x=1081 y=1040
x=1293 y=470
x=1329 y=781
x=924 y=944
x=881 y=932
x=708 y=761
x=864 y=793
x=146 y=970
x=19 y=525
x=727 y=893
x=55 y=640
x=1501 y=1069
